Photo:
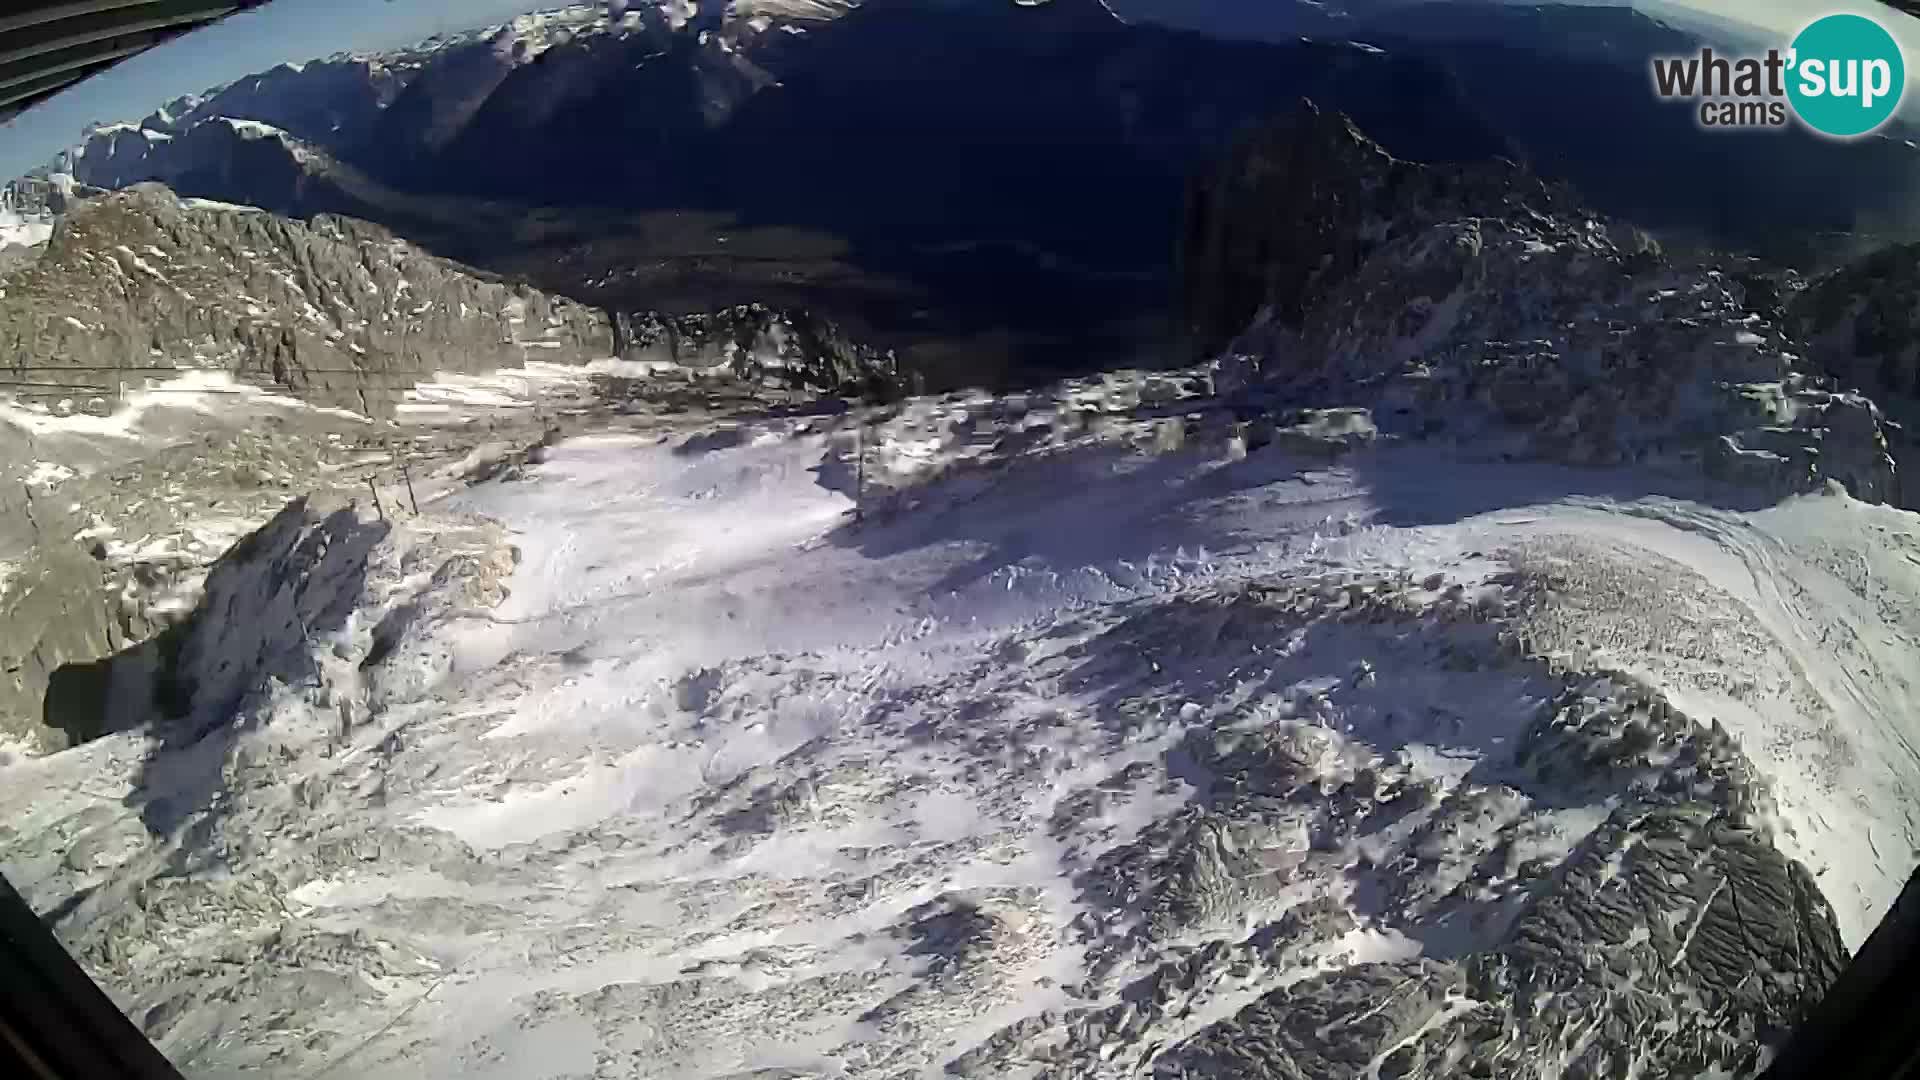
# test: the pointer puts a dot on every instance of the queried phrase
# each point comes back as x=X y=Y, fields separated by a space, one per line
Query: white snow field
x=732 y=784
x=23 y=228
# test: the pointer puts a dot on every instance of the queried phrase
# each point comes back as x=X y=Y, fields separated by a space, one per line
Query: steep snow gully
x=1083 y=761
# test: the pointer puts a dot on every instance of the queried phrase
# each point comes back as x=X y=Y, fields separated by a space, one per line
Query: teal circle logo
x=1846 y=75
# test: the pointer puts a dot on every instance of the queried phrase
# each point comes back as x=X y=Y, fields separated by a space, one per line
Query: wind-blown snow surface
x=1793 y=626
x=730 y=782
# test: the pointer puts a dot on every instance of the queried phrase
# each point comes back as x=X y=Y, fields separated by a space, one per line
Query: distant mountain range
x=1036 y=136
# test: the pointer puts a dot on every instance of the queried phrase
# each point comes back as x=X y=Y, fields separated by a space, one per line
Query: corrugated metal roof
x=47 y=45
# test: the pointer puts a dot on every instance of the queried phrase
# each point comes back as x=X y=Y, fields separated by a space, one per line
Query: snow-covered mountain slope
x=331 y=102
x=1081 y=749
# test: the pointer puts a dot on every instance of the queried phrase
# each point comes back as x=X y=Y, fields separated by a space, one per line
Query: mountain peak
x=1302 y=202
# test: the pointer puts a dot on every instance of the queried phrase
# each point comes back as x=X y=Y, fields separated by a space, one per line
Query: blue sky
x=242 y=45
x=306 y=29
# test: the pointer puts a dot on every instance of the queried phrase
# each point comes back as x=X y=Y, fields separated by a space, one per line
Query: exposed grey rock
x=1675 y=936
x=118 y=553
x=401 y=667
x=1675 y=940
x=1862 y=325
x=757 y=344
x=264 y=604
x=1325 y=432
x=1864 y=321
x=1303 y=203
x=136 y=284
x=16 y=257
x=1331 y=1025
x=1480 y=306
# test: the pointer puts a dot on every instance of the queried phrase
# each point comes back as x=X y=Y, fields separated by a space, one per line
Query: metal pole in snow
x=407 y=474
x=860 y=469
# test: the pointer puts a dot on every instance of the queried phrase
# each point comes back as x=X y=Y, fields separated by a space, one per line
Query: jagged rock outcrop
x=1675 y=940
x=752 y=342
x=1863 y=321
x=111 y=549
x=1862 y=327
x=139 y=283
x=1303 y=203
x=265 y=600
x=1676 y=944
x=1482 y=306
x=294 y=580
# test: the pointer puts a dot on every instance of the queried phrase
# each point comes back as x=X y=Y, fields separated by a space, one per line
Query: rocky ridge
x=1861 y=323
x=173 y=372
x=787 y=350
x=339 y=105
x=341 y=312
x=176 y=371
x=1481 y=306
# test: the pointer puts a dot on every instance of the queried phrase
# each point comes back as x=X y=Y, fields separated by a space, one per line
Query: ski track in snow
x=711 y=705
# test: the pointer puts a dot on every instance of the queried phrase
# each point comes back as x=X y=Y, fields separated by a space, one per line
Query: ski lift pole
x=407 y=475
x=860 y=469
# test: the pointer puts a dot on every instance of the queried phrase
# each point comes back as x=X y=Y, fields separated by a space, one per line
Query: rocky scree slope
x=1480 y=305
